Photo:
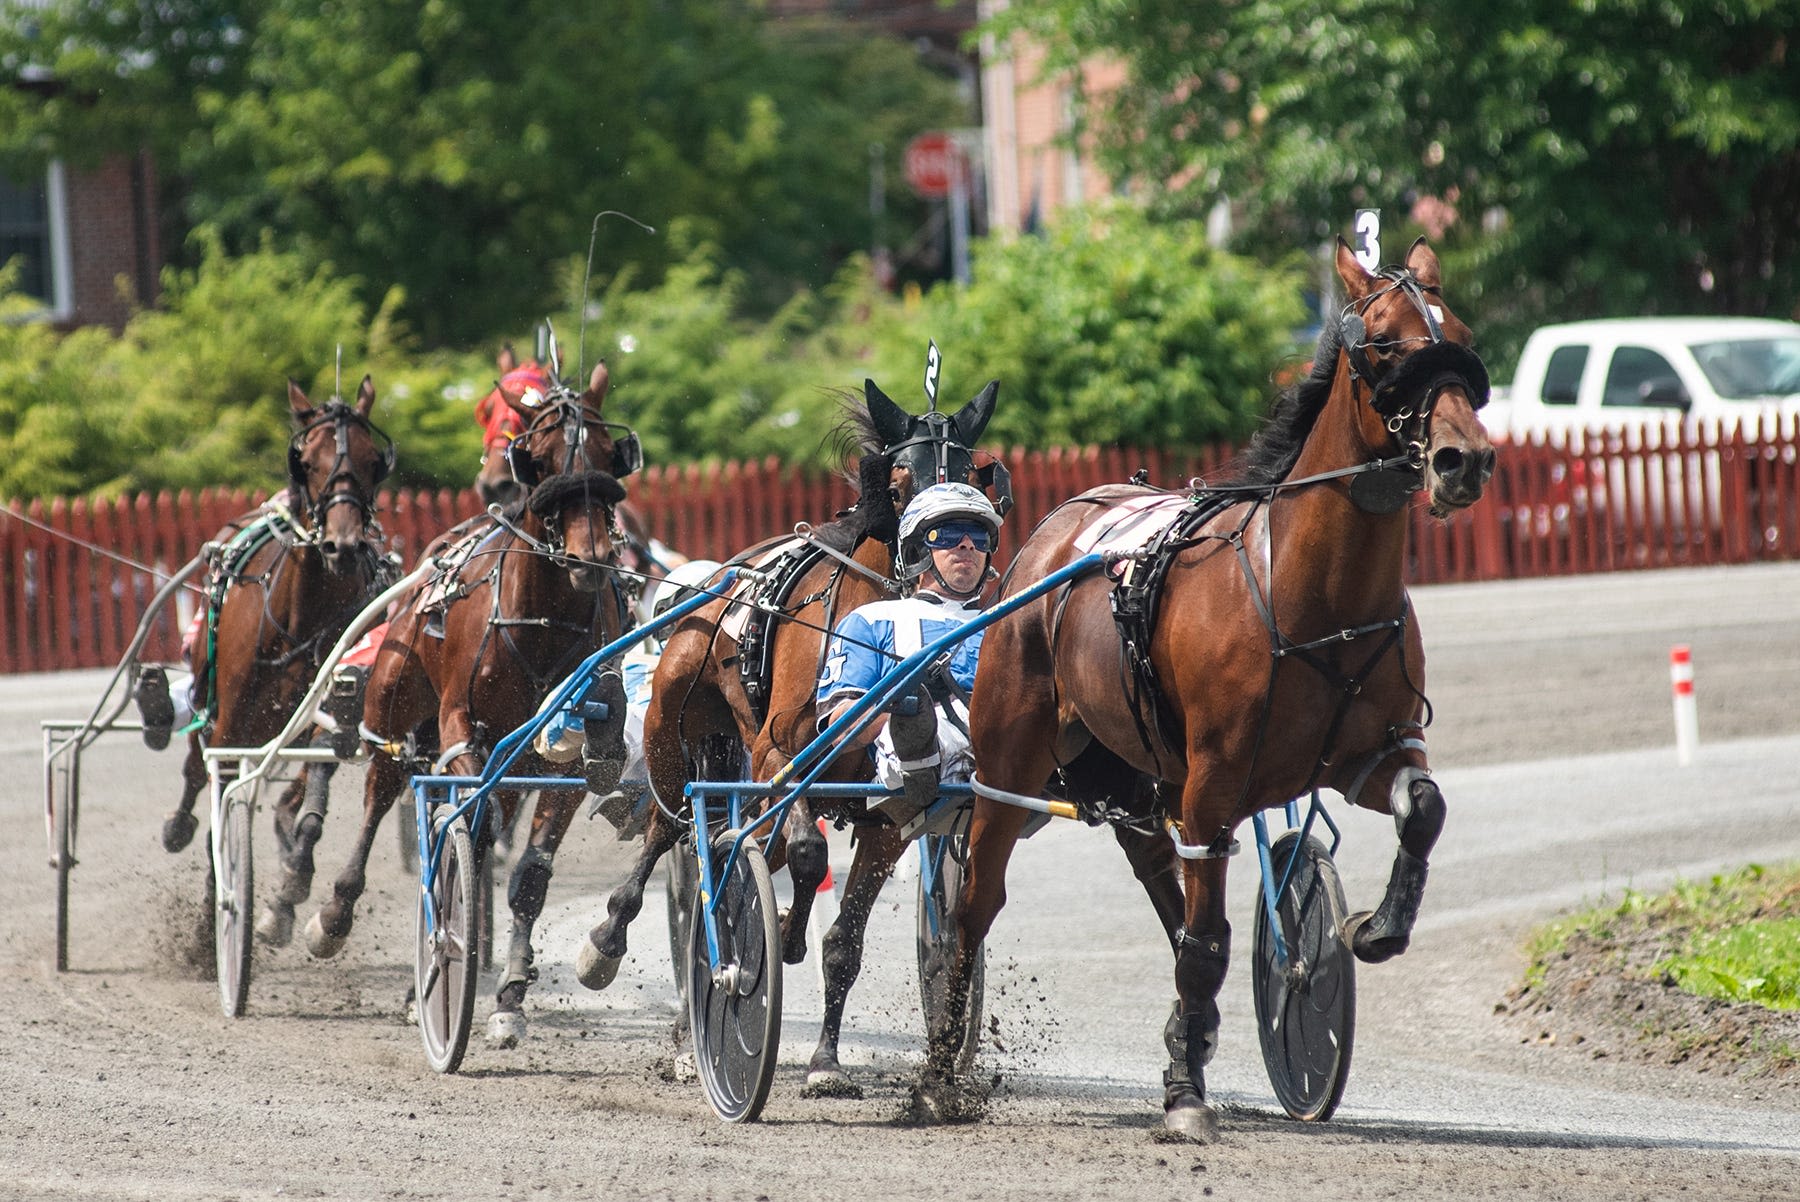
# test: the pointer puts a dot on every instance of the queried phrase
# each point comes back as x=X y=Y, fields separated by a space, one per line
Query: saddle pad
x=737 y=617
x=437 y=590
x=1130 y=525
x=362 y=652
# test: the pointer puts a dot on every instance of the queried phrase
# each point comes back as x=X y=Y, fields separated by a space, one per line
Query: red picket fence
x=75 y=576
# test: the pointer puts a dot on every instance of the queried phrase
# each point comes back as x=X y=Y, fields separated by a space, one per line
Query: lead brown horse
x=510 y=414
x=703 y=724
x=284 y=583
x=1281 y=653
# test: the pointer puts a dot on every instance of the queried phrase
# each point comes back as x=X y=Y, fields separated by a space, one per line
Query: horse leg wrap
x=603 y=752
x=1419 y=812
x=530 y=882
x=520 y=972
x=155 y=706
x=915 y=746
x=1200 y=967
x=310 y=821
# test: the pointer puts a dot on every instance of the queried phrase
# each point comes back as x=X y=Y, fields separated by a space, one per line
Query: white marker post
x=1687 y=715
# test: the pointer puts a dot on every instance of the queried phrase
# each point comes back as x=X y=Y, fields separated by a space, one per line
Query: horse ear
x=365 y=395
x=1358 y=283
x=973 y=418
x=1422 y=261
x=297 y=399
x=506 y=361
x=892 y=423
x=598 y=383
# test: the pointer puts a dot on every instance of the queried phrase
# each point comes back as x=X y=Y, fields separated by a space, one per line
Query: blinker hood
x=1419 y=377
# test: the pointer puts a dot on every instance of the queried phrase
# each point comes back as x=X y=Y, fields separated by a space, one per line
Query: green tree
x=1116 y=329
x=461 y=149
x=1624 y=156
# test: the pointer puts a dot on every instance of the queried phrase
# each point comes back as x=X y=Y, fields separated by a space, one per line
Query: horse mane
x=853 y=435
x=553 y=494
x=1275 y=447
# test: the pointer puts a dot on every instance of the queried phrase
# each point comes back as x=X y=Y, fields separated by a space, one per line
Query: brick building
x=87 y=240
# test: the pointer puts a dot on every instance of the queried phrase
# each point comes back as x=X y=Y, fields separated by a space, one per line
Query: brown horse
x=510 y=414
x=284 y=583
x=1301 y=560
x=560 y=431
x=702 y=721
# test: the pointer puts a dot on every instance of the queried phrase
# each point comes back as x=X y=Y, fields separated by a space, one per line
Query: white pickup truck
x=1618 y=373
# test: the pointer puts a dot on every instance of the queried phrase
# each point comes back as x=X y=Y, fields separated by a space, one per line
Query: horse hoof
x=594 y=968
x=323 y=946
x=505 y=1029
x=1354 y=931
x=1194 y=1120
x=830 y=1083
x=276 y=926
x=178 y=830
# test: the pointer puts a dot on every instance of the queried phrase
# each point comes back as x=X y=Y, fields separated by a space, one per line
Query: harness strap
x=804 y=530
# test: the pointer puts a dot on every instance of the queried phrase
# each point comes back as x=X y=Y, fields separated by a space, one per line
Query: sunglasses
x=951 y=534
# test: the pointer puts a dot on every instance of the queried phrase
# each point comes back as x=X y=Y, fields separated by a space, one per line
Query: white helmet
x=935 y=505
x=680 y=583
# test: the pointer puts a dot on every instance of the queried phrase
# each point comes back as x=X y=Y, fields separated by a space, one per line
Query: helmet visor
x=951 y=534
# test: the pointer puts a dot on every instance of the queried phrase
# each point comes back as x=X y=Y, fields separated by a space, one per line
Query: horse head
x=576 y=516
x=336 y=459
x=1425 y=384
x=564 y=433
x=936 y=448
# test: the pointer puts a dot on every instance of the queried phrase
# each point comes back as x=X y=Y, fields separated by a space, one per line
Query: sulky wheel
x=735 y=1010
x=233 y=900
x=446 y=951
x=941 y=863
x=67 y=784
x=684 y=876
x=1306 y=1013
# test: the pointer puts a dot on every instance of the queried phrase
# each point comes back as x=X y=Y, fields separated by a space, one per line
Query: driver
x=947 y=538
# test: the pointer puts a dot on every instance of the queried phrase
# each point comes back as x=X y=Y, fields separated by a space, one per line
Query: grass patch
x=1687 y=972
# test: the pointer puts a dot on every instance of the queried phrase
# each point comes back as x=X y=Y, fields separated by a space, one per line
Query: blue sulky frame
x=432 y=792
x=813 y=759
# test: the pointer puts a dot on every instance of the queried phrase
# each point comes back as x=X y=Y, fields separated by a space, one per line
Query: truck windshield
x=1742 y=369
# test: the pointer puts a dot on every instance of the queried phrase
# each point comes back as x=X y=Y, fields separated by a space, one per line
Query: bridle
x=1405 y=394
x=565 y=411
x=951 y=461
x=341 y=485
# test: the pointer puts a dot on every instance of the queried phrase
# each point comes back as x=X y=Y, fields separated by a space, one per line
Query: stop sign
x=931 y=163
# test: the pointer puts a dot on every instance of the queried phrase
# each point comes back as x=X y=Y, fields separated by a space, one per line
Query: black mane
x=853 y=435
x=1275 y=448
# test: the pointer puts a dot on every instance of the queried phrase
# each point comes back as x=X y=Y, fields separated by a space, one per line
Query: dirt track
x=120 y=1079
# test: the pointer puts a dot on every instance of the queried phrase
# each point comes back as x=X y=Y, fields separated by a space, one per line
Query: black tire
x=446 y=952
x=67 y=781
x=684 y=879
x=234 y=902
x=736 y=1019
x=1306 y=1016
x=937 y=939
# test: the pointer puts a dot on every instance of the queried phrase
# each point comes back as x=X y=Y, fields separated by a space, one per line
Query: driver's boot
x=915 y=746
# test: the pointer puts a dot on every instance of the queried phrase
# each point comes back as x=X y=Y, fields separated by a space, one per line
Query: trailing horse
x=1256 y=643
x=283 y=584
x=736 y=680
